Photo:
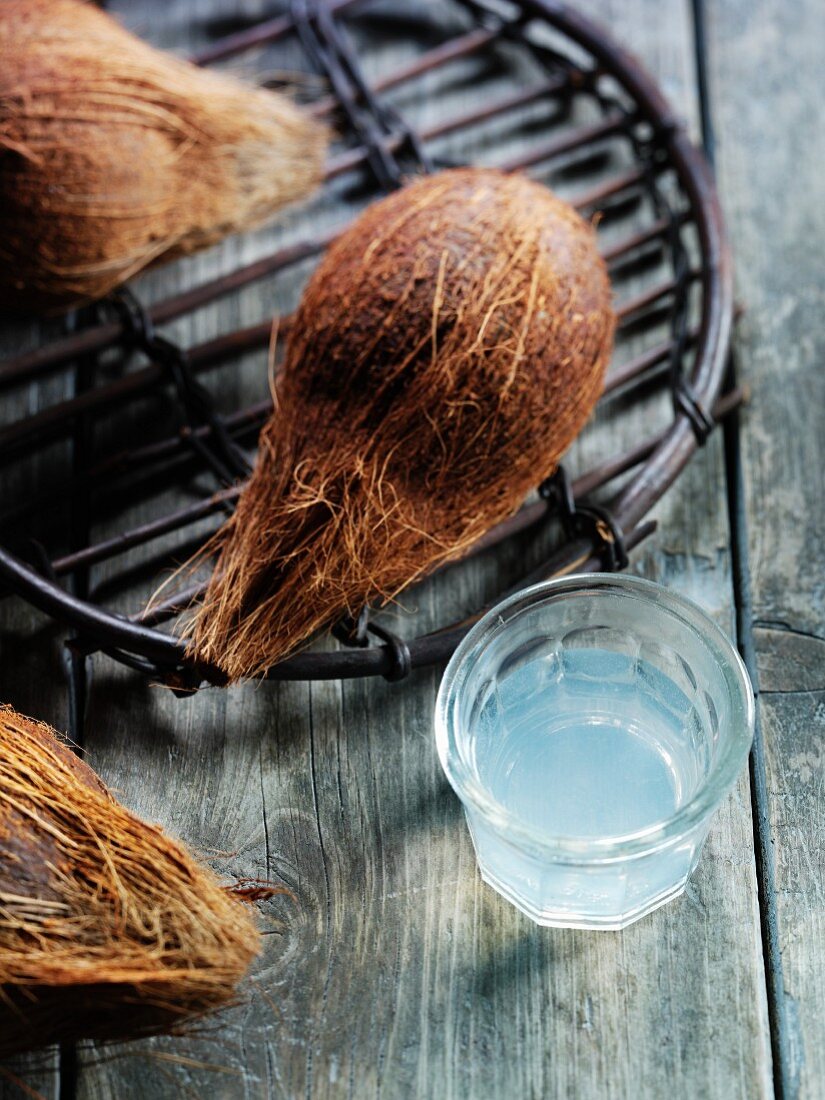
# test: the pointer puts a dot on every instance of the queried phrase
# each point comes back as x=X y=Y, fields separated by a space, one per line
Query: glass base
x=561 y=918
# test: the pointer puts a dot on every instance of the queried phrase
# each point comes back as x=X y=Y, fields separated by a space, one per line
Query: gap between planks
x=778 y=1012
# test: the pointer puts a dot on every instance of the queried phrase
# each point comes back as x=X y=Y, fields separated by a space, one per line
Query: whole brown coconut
x=446 y=352
x=108 y=929
x=114 y=155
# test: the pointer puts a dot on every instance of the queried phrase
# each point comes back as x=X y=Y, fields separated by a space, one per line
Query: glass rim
x=713 y=787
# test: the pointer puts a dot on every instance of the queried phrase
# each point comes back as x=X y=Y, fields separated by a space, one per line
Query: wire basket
x=551 y=95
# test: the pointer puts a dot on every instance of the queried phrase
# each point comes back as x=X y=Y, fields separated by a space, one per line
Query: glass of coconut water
x=591 y=726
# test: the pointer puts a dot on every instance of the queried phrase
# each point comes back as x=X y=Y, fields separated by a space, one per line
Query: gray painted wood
x=395 y=972
x=766 y=62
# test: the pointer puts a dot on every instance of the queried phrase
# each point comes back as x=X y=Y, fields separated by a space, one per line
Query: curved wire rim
x=629 y=507
x=714 y=786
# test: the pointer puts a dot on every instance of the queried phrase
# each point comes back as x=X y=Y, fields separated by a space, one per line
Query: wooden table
x=395 y=972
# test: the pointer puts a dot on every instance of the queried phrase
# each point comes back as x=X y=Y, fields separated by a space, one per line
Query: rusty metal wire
x=689 y=290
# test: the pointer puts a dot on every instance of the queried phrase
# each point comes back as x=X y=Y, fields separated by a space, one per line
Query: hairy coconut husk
x=108 y=929
x=446 y=352
x=114 y=155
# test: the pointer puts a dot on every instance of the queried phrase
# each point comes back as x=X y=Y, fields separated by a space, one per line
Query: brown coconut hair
x=447 y=350
x=115 y=155
x=109 y=929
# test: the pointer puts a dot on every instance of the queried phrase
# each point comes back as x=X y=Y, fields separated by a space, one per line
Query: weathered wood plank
x=766 y=62
x=395 y=971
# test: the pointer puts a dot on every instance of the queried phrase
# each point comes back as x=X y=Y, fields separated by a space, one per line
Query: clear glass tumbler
x=591 y=726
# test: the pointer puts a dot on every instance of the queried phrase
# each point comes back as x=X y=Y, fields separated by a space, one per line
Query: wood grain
x=395 y=972
x=766 y=62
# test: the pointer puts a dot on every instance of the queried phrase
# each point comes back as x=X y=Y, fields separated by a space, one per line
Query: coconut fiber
x=114 y=155
x=108 y=929
x=447 y=350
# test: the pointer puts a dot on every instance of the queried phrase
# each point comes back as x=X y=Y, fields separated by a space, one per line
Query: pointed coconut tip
x=109 y=929
x=446 y=352
x=115 y=155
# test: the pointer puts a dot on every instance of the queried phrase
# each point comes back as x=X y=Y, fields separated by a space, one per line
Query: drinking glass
x=591 y=727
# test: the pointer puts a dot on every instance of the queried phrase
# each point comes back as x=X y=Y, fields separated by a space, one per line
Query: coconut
x=108 y=928
x=447 y=350
x=114 y=155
